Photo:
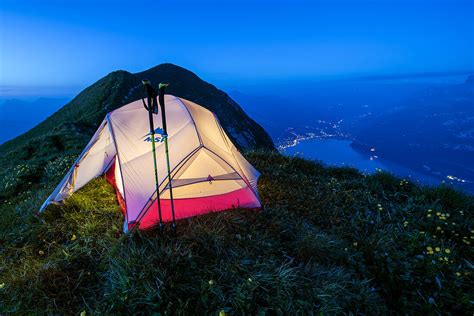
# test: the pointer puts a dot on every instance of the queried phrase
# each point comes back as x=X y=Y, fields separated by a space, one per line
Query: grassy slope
x=327 y=239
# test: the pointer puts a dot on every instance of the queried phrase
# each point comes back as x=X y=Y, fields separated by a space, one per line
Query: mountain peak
x=243 y=131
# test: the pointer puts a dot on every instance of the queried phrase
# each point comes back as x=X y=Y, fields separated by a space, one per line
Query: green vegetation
x=327 y=240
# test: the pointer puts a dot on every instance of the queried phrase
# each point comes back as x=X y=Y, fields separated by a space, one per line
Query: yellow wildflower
x=2 y=285
x=249 y=279
x=74 y=237
x=438 y=228
x=83 y=313
x=438 y=213
x=405 y=223
x=437 y=249
x=458 y=274
x=447 y=250
x=211 y=282
x=41 y=252
x=429 y=248
x=355 y=244
x=429 y=215
x=222 y=313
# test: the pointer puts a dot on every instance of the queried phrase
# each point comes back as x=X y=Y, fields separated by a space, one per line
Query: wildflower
x=429 y=215
x=437 y=249
x=2 y=285
x=429 y=248
x=422 y=232
x=83 y=313
x=447 y=215
x=74 y=237
x=430 y=210
x=438 y=213
x=458 y=274
x=446 y=259
x=222 y=313
x=41 y=252
x=447 y=250
x=211 y=282
x=355 y=244
x=466 y=242
x=438 y=228
x=249 y=279
x=405 y=223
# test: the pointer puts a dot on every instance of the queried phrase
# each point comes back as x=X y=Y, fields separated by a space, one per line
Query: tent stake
x=162 y=87
x=153 y=108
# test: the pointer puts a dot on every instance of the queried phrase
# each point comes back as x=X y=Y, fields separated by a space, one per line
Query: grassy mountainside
x=328 y=240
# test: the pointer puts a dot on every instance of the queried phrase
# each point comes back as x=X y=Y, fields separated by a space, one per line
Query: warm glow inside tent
x=208 y=173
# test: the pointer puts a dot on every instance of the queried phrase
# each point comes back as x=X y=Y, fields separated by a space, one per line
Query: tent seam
x=107 y=118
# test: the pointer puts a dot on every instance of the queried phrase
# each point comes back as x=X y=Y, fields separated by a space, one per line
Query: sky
x=72 y=43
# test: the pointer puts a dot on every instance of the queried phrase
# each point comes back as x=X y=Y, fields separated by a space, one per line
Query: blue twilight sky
x=73 y=43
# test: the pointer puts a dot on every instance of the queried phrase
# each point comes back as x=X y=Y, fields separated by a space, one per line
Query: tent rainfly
x=208 y=173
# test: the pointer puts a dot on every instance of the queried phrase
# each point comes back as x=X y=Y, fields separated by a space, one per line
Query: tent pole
x=153 y=108
x=162 y=87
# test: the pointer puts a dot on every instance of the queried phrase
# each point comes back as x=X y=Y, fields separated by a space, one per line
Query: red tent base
x=110 y=177
x=184 y=208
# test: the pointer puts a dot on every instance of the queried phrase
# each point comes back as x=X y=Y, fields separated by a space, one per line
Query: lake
x=336 y=152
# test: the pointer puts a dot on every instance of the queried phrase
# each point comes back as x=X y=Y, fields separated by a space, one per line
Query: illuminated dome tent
x=208 y=172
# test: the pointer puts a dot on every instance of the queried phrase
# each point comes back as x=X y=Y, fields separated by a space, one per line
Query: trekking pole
x=153 y=108
x=162 y=87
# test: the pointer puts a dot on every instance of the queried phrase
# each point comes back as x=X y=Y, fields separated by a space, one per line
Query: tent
x=208 y=172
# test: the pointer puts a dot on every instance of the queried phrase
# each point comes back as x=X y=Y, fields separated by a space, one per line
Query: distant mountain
x=470 y=79
x=18 y=116
x=431 y=131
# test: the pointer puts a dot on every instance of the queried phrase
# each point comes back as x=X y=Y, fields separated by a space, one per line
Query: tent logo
x=159 y=136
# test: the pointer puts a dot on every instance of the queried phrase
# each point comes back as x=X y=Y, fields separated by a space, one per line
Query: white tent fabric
x=208 y=172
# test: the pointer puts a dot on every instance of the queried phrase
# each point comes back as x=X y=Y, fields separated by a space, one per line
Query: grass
x=327 y=240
